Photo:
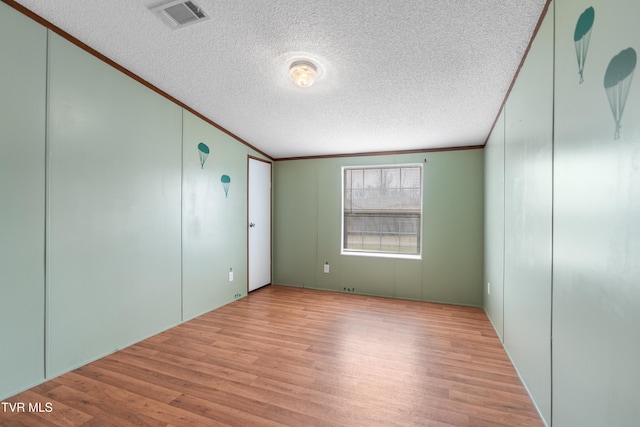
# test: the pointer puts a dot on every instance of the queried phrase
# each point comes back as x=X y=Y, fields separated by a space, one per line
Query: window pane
x=392 y=199
x=391 y=177
x=357 y=178
x=383 y=209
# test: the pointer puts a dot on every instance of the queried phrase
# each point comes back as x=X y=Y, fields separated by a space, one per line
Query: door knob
x=251 y=225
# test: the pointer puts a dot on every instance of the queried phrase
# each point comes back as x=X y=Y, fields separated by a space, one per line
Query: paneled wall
x=307 y=224
x=494 y=211
x=22 y=195
x=113 y=229
x=113 y=213
x=214 y=226
x=596 y=265
x=571 y=183
x=527 y=232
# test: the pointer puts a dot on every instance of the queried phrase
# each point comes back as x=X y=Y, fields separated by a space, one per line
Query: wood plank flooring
x=298 y=357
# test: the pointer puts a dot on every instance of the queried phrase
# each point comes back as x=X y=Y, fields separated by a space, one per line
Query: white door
x=259 y=215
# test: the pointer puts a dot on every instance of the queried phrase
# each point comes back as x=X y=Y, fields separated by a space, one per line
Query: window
x=382 y=210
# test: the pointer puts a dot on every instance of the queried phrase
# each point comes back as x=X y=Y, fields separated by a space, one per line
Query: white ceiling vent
x=180 y=13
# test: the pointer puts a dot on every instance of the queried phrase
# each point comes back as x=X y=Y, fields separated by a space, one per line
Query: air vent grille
x=178 y=14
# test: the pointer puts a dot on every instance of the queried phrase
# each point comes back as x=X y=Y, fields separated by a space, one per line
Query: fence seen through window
x=382 y=209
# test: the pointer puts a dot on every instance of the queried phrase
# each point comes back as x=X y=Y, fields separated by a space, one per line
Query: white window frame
x=371 y=253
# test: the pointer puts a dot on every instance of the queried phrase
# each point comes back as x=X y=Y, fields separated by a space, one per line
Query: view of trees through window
x=382 y=209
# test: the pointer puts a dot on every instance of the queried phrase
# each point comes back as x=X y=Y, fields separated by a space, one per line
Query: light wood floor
x=298 y=357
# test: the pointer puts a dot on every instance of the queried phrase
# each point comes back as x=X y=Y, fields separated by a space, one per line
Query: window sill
x=380 y=255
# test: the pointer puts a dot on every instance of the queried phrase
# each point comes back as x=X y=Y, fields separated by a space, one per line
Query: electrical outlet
x=488 y=288
x=326 y=267
x=231 y=274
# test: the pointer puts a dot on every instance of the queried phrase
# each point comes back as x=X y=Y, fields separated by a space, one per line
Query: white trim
x=355 y=252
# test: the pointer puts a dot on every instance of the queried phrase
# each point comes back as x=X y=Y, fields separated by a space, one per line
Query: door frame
x=249 y=158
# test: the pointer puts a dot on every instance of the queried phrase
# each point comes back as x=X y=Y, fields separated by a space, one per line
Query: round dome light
x=303 y=73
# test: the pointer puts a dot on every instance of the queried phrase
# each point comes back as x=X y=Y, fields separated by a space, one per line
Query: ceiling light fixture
x=303 y=73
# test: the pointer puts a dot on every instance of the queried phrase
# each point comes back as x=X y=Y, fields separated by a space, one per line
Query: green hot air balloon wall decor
x=581 y=38
x=203 y=152
x=617 y=82
x=226 y=182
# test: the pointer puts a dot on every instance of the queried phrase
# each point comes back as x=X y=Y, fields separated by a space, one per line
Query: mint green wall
x=307 y=203
x=527 y=234
x=22 y=183
x=214 y=227
x=571 y=192
x=113 y=214
x=295 y=225
x=453 y=227
x=494 y=227
x=596 y=267
x=138 y=236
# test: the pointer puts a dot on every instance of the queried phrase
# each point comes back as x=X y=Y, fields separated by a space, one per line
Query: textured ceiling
x=398 y=75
